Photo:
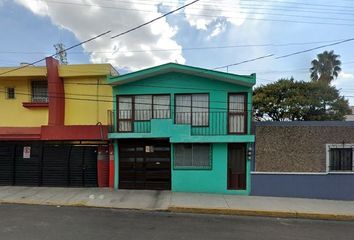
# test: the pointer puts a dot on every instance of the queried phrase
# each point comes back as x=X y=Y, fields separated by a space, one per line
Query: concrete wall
x=13 y=114
x=297 y=146
x=97 y=100
x=321 y=186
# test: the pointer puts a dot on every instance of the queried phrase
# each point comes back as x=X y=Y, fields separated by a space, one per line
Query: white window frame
x=338 y=145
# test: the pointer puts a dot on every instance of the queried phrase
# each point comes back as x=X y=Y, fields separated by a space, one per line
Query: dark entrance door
x=145 y=164
x=236 y=169
x=7 y=155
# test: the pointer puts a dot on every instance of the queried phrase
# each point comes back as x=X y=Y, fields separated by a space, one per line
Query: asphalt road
x=76 y=223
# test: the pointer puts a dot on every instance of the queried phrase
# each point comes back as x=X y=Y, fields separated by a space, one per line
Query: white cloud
x=87 y=18
x=206 y=15
x=343 y=75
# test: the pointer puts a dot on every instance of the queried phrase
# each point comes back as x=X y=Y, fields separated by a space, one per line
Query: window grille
x=10 y=93
x=39 y=91
x=340 y=157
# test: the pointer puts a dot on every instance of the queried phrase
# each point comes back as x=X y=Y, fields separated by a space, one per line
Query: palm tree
x=326 y=67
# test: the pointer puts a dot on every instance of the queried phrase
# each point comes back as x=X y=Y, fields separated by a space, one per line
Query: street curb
x=263 y=213
x=221 y=211
x=80 y=204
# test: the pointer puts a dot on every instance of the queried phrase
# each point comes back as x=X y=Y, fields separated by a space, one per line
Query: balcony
x=195 y=124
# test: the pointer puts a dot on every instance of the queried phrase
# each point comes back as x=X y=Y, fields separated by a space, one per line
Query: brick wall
x=297 y=146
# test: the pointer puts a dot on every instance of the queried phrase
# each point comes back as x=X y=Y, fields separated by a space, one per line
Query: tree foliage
x=289 y=100
x=326 y=67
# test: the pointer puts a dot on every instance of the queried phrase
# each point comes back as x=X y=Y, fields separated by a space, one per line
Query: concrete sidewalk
x=180 y=202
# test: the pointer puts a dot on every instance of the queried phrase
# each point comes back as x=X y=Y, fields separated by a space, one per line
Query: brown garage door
x=145 y=164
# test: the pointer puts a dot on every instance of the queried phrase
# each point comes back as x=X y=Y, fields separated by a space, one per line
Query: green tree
x=289 y=100
x=326 y=67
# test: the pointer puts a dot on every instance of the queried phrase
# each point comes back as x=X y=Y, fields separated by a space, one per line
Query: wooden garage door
x=145 y=164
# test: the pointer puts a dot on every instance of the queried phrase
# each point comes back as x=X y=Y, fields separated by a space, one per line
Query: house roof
x=71 y=70
x=245 y=80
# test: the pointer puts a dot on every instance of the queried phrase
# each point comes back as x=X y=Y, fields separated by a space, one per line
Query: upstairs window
x=237 y=113
x=141 y=108
x=39 y=91
x=10 y=93
x=192 y=109
x=340 y=158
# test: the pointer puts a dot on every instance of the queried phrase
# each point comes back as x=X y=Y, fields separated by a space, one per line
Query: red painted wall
x=56 y=93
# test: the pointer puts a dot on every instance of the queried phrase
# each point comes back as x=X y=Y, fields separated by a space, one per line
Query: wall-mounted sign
x=26 y=152
x=149 y=149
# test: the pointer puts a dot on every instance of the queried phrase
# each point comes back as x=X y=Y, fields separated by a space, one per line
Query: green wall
x=208 y=181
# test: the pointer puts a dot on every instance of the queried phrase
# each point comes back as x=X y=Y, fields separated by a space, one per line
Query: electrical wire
x=155 y=19
x=64 y=50
x=315 y=48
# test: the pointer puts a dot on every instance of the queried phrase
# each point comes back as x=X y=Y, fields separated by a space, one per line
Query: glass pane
x=200 y=109
x=183 y=109
x=201 y=155
x=236 y=123
x=125 y=107
x=124 y=126
x=161 y=106
x=39 y=91
x=237 y=103
x=183 y=155
x=143 y=107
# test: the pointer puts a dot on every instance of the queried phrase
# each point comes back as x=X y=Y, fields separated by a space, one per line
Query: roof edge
x=248 y=80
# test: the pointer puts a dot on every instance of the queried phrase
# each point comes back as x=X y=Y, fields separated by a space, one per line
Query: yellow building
x=63 y=104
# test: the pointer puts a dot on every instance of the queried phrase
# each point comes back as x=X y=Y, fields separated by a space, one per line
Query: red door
x=236 y=169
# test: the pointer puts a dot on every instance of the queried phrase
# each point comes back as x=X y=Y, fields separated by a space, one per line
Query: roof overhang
x=244 y=80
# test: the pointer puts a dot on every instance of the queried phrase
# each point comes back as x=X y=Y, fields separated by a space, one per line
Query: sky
x=208 y=34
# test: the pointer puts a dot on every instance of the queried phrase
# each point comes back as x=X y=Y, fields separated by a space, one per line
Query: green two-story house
x=182 y=128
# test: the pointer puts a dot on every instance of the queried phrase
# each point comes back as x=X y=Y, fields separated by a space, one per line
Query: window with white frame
x=192 y=155
x=340 y=157
x=192 y=109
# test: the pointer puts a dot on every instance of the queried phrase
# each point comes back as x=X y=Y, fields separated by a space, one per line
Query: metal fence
x=139 y=121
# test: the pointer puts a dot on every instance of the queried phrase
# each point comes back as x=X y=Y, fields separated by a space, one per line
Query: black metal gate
x=47 y=164
x=144 y=164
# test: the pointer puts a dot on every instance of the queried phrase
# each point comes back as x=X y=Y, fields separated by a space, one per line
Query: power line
x=155 y=19
x=300 y=3
x=246 y=61
x=100 y=35
x=66 y=49
x=311 y=49
x=140 y=103
x=190 y=48
x=204 y=9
